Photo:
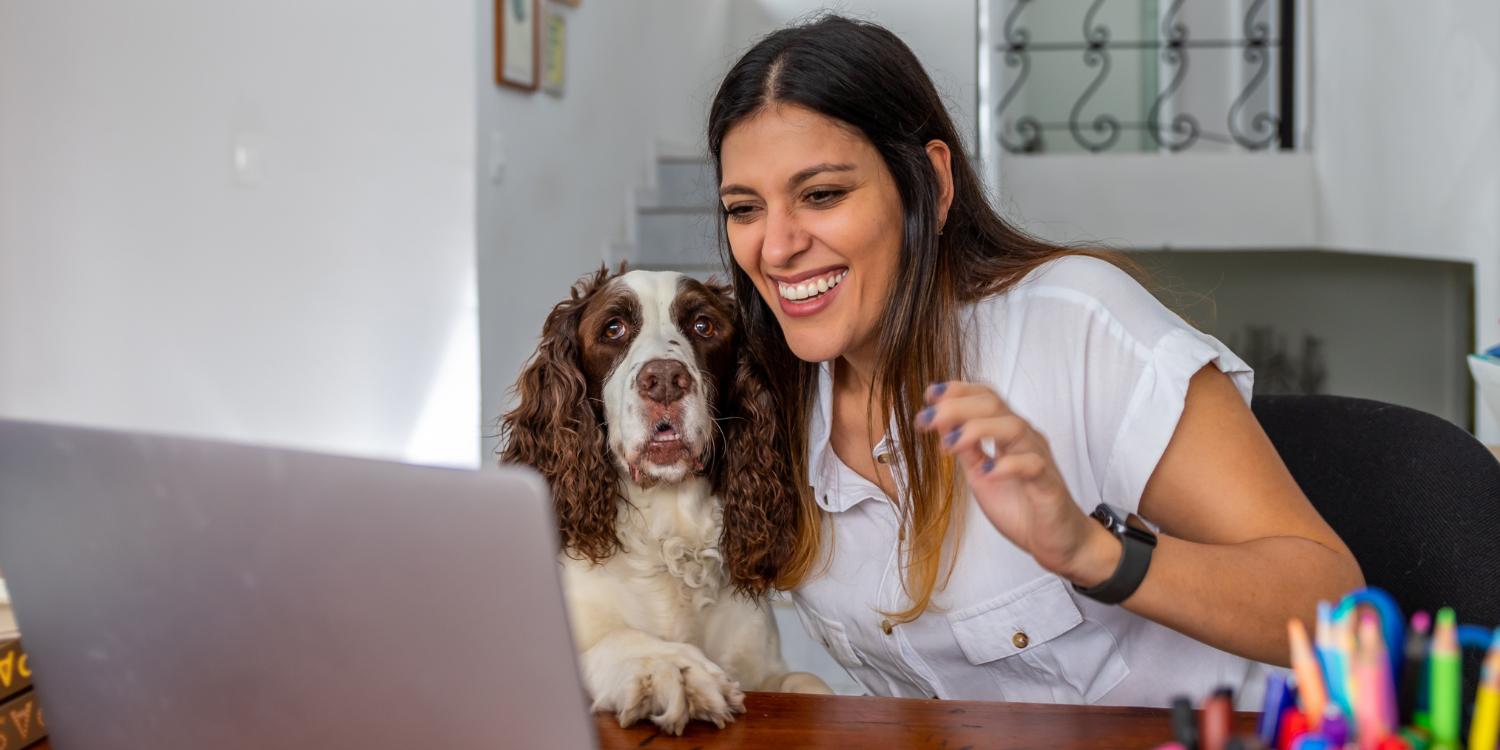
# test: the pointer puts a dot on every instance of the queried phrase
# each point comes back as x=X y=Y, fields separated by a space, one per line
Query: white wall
x=323 y=298
x=1406 y=108
x=1192 y=201
x=638 y=74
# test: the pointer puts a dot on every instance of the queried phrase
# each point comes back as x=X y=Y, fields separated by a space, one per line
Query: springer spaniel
x=664 y=452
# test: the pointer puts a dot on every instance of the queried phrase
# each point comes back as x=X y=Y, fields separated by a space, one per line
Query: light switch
x=246 y=159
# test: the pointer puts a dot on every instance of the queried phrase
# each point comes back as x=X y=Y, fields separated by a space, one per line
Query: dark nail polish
x=936 y=390
x=925 y=417
x=988 y=465
x=952 y=438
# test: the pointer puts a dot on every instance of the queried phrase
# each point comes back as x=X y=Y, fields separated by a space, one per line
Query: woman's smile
x=808 y=294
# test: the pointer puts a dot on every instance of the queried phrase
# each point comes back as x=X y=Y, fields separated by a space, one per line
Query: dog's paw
x=802 y=682
x=671 y=685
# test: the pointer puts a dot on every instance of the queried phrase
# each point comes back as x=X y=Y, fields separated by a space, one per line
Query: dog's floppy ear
x=555 y=429
x=755 y=482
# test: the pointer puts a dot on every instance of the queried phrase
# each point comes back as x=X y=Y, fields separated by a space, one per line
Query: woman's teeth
x=811 y=288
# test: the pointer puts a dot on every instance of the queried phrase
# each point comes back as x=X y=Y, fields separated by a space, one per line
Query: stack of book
x=21 y=722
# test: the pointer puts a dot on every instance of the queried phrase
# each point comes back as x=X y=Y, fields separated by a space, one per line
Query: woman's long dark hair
x=862 y=75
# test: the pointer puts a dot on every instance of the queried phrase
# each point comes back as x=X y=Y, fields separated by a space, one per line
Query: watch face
x=1112 y=517
x=1121 y=523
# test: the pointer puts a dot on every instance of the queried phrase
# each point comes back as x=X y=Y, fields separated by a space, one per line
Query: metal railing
x=1061 y=93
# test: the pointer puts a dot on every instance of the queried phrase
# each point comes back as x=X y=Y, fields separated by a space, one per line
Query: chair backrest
x=1416 y=498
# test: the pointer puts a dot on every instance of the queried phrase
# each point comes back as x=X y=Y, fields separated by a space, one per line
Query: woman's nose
x=784 y=239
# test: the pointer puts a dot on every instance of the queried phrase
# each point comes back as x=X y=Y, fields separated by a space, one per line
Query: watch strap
x=1135 y=560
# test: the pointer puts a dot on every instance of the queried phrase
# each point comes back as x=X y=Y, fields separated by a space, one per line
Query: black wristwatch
x=1138 y=541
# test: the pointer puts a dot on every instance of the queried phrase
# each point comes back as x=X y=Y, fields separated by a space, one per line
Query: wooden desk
x=779 y=721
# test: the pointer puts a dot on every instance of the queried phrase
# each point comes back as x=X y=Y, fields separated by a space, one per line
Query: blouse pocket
x=1039 y=642
x=832 y=635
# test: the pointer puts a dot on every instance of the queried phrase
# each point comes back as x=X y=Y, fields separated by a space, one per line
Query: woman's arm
x=1241 y=549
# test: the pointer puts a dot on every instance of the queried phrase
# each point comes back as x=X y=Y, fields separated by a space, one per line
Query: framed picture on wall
x=554 y=52
x=517 y=44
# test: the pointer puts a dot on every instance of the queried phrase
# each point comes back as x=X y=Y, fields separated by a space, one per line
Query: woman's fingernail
x=988 y=465
x=935 y=390
x=952 y=438
x=925 y=417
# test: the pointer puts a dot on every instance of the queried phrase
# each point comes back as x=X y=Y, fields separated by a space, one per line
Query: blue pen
x=1280 y=694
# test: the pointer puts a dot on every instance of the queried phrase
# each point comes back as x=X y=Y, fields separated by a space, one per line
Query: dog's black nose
x=664 y=381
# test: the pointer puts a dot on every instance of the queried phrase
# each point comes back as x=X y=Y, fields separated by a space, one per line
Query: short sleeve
x=1125 y=362
x=1154 y=406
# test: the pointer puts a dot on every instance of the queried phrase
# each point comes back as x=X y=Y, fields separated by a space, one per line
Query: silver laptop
x=178 y=593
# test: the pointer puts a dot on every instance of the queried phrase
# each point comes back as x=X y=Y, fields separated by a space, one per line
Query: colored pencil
x=1376 y=718
x=1484 y=730
x=1413 y=668
x=1325 y=642
x=1312 y=694
x=1446 y=680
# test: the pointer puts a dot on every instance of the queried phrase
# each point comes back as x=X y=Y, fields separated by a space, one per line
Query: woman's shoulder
x=1081 y=291
x=1079 y=277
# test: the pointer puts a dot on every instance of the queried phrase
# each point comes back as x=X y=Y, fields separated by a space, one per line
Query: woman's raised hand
x=1018 y=487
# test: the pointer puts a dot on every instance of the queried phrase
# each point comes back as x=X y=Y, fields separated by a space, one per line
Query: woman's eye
x=740 y=211
x=704 y=327
x=615 y=330
x=824 y=197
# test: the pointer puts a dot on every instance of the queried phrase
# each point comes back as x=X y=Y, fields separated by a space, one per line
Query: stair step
x=685 y=181
x=676 y=239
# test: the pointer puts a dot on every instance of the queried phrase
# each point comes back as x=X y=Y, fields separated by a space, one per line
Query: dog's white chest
x=671 y=538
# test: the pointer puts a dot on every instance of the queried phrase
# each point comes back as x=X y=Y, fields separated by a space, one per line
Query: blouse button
x=884 y=458
x=885 y=626
x=1020 y=640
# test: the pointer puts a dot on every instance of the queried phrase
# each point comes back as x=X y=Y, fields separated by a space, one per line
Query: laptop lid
x=178 y=593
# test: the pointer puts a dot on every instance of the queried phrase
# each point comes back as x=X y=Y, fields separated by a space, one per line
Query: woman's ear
x=755 y=484
x=942 y=166
x=555 y=430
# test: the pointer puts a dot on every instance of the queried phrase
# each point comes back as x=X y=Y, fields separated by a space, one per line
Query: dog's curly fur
x=556 y=428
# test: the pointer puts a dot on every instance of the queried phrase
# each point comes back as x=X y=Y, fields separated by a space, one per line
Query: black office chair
x=1416 y=498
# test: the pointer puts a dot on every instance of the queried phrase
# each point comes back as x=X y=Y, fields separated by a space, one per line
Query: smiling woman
x=978 y=416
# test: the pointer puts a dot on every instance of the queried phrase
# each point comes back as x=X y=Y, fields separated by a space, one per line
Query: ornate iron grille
x=1259 y=115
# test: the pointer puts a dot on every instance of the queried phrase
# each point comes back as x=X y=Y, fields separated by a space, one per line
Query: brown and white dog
x=663 y=449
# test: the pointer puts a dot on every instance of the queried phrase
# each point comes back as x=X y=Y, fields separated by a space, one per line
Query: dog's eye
x=704 y=327
x=615 y=330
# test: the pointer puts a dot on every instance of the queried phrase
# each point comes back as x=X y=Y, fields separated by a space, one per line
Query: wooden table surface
x=779 y=721
x=782 y=721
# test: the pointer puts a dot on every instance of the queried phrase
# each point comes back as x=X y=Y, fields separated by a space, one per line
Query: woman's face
x=816 y=223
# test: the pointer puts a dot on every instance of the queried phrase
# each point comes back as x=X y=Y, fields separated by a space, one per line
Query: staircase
x=672 y=221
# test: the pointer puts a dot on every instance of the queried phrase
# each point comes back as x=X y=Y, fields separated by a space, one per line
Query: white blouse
x=1096 y=364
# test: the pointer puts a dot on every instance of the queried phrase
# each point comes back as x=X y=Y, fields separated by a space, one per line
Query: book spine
x=21 y=722
x=15 y=672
